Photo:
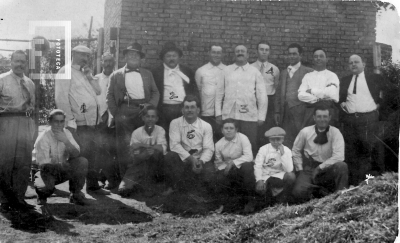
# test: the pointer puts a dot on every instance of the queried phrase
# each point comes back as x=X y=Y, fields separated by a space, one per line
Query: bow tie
x=133 y=70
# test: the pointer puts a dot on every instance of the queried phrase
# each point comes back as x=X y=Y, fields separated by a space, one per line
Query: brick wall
x=341 y=28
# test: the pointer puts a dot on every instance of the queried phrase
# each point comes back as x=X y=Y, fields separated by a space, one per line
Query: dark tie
x=355 y=85
x=25 y=92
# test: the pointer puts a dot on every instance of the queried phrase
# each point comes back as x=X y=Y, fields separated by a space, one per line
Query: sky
x=16 y=14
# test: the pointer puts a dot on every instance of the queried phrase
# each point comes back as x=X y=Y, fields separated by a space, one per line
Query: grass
x=367 y=213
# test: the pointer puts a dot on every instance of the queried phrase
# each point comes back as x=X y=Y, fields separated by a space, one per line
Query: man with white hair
x=77 y=97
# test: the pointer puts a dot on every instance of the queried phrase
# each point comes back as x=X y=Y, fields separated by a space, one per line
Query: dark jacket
x=190 y=88
x=117 y=89
x=280 y=94
x=376 y=83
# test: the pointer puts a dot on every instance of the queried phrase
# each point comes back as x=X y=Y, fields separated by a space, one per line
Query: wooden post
x=377 y=58
x=90 y=32
x=100 y=48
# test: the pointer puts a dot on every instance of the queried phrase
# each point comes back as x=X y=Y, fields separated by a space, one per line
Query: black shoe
x=77 y=198
x=5 y=207
x=22 y=206
x=41 y=201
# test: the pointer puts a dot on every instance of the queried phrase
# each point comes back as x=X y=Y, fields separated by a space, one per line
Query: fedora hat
x=170 y=46
x=134 y=47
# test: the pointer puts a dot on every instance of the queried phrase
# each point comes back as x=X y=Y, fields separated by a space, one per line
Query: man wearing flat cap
x=318 y=157
x=274 y=167
x=174 y=81
x=131 y=90
x=77 y=97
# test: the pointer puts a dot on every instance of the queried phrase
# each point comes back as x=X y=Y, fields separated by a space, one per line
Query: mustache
x=239 y=55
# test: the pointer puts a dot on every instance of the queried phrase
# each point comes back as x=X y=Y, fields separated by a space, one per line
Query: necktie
x=25 y=92
x=288 y=70
x=355 y=85
x=262 y=69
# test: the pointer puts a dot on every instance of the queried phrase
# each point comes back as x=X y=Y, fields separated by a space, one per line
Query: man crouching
x=56 y=153
x=148 y=146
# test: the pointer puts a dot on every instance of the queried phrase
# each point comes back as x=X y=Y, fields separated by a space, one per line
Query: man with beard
x=131 y=90
x=77 y=97
x=318 y=157
x=17 y=101
x=192 y=148
x=242 y=96
x=289 y=110
x=147 y=147
x=207 y=78
x=319 y=86
x=106 y=129
x=174 y=81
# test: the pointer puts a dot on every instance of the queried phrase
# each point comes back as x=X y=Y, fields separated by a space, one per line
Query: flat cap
x=83 y=49
x=275 y=132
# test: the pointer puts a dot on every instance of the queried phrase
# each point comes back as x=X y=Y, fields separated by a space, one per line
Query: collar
x=245 y=67
x=194 y=124
x=259 y=63
x=171 y=69
x=234 y=140
x=16 y=76
x=295 y=67
x=210 y=66
x=126 y=69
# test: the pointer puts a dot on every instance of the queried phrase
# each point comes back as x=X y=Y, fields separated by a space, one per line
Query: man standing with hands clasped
x=242 y=96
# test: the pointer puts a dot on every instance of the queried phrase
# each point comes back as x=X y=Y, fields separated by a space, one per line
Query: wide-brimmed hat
x=275 y=132
x=134 y=47
x=170 y=46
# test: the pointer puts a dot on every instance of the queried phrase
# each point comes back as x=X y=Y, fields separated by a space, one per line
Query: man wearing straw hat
x=131 y=90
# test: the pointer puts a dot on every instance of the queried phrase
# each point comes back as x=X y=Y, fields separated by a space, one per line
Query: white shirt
x=104 y=81
x=134 y=85
x=270 y=74
x=157 y=137
x=184 y=137
x=362 y=101
x=207 y=77
x=242 y=95
x=323 y=84
x=292 y=69
x=48 y=150
x=269 y=162
x=238 y=150
x=328 y=153
x=174 y=91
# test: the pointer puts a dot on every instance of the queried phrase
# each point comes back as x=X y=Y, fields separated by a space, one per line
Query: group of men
x=211 y=124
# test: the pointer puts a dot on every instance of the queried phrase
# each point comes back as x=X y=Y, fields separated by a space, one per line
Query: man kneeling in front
x=318 y=156
x=56 y=154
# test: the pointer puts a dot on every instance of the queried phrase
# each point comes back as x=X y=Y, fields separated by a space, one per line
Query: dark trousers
x=269 y=121
x=309 y=113
x=362 y=148
x=50 y=175
x=167 y=114
x=127 y=120
x=142 y=170
x=86 y=137
x=215 y=127
x=238 y=179
x=106 y=153
x=250 y=129
x=179 y=174
x=286 y=183
x=332 y=178
x=293 y=122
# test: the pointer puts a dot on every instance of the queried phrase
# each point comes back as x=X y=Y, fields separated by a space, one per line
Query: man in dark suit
x=360 y=99
x=131 y=90
x=289 y=110
x=174 y=81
